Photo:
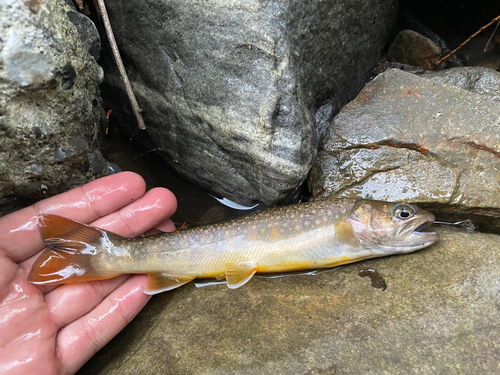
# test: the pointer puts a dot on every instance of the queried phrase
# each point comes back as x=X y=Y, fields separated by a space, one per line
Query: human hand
x=56 y=330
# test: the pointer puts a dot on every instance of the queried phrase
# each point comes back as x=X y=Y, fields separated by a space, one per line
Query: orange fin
x=345 y=232
x=238 y=274
x=160 y=282
x=73 y=245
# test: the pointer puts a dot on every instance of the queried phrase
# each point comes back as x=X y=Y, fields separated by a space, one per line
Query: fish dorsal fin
x=238 y=274
x=161 y=282
x=344 y=232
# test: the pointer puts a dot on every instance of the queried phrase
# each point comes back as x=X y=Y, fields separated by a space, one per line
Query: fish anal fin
x=344 y=232
x=238 y=274
x=160 y=282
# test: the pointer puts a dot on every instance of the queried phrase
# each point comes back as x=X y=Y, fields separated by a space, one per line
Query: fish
x=310 y=235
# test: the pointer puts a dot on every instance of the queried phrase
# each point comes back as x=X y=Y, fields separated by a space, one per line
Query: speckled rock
x=406 y=138
x=50 y=110
x=439 y=314
x=235 y=94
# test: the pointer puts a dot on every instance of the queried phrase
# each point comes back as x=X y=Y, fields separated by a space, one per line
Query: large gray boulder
x=50 y=110
x=406 y=138
x=231 y=90
x=438 y=315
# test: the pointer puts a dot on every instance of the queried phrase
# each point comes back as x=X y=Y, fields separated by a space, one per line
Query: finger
x=155 y=207
x=151 y=210
x=166 y=226
x=81 y=339
x=70 y=302
x=19 y=235
x=66 y=302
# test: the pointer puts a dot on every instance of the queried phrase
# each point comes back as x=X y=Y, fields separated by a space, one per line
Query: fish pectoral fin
x=238 y=274
x=344 y=232
x=161 y=282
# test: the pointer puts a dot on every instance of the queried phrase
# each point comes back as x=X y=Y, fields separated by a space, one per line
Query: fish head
x=392 y=228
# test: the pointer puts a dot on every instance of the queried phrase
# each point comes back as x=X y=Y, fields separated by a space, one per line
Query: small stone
x=410 y=47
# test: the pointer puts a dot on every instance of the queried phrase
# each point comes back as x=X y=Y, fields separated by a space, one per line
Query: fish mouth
x=423 y=226
x=419 y=236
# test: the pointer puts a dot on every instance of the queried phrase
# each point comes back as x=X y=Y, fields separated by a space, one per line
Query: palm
x=57 y=330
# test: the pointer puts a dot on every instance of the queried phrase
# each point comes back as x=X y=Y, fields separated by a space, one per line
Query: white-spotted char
x=297 y=237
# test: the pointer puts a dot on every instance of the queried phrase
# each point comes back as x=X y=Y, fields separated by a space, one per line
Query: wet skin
x=56 y=330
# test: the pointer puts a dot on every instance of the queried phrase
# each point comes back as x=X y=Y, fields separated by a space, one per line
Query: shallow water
x=196 y=206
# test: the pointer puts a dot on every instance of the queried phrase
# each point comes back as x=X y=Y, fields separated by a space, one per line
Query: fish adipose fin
x=160 y=282
x=238 y=274
x=73 y=245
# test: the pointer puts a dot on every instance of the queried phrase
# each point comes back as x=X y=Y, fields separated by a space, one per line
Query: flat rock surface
x=406 y=138
x=439 y=314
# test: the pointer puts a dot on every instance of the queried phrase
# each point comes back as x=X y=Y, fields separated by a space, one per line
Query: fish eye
x=402 y=211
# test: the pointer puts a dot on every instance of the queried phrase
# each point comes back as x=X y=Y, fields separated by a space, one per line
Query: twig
x=491 y=37
x=467 y=41
x=116 y=53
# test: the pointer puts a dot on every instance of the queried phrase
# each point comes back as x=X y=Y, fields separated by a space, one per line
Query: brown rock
x=410 y=47
x=406 y=138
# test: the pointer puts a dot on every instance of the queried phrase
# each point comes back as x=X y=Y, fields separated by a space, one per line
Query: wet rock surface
x=410 y=139
x=230 y=92
x=50 y=111
x=483 y=81
x=439 y=314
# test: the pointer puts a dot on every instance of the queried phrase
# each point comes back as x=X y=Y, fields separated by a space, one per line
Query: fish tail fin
x=73 y=246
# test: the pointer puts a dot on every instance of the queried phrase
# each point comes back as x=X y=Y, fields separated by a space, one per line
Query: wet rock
x=230 y=91
x=410 y=47
x=50 y=111
x=483 y=81
x=438 y=314
x=410 y=139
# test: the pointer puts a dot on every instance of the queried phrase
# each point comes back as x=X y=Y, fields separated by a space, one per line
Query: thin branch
x=467 y=41
x=491 y=37
x=116 y=53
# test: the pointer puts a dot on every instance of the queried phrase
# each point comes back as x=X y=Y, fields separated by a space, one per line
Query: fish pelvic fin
x=238 y=274
x=73 y=245
x=160 y=282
